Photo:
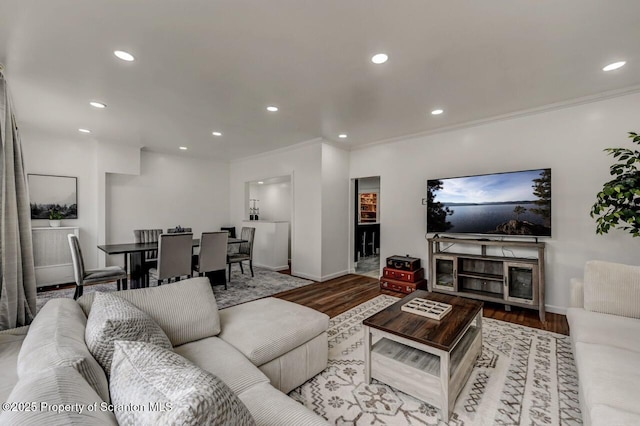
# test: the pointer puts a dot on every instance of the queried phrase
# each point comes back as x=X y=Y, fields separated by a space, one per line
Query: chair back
x=147 y=236
x=76 y=256
x=247 y=234
x=178 y=230
x=174 y=255
x=230 y=229
x=213 y=251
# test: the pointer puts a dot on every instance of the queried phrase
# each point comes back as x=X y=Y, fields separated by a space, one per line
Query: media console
x=465 y=268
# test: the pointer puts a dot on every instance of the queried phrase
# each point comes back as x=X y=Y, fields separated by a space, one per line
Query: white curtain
x=18 y=289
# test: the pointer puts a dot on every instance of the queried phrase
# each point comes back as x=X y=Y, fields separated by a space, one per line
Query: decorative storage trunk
x=403 y=263
x=407 y=276
x=402 y=286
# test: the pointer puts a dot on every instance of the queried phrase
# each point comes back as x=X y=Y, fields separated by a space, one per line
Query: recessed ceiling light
x=125 y=56
x=614 y=66
x=97 y=104
x=272 y=108
x=216 y=133
x=84 y=130
x=437 y=111
x=342 y=135
x=260 y=183
x=379 y=58
x=184 y=148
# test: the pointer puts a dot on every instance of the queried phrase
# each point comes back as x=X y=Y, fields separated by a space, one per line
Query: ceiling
x=209 y=65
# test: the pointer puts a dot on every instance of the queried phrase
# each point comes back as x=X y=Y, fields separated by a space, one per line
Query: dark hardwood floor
x=341 y=294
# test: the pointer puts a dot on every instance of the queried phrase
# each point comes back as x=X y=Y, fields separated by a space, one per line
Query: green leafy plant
x=55 y=215
x=618 y=204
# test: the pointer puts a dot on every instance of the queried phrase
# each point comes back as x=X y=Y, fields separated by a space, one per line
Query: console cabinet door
x=445 y=272
x=521 y=282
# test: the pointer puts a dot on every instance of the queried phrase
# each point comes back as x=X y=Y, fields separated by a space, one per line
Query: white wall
x=569 y=140
x=335 y=212
x=46 y=154
x=275 y=200
x=171 y=190
x=303 y=163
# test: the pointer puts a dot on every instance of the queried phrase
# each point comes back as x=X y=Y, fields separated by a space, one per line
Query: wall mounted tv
x=513 y=203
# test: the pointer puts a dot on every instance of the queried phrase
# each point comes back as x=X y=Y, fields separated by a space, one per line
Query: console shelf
x=509 y=280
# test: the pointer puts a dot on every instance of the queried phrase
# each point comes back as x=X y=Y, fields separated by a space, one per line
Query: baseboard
x=556 y=309
x=271 y=268
x=334 y=275
x=306 y=276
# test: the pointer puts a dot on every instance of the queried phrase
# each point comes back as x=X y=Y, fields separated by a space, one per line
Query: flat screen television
x=512 y=203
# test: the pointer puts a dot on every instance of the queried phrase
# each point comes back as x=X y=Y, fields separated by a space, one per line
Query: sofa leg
x=241 y=268
x=119 y=285
x=229 y=272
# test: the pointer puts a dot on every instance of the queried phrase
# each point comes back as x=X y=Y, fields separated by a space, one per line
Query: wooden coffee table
x=428 y=359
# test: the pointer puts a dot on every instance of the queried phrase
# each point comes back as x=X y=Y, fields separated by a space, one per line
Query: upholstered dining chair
x=150 y=257
x=213 y=253
x=92 y=276
x=245 y=252
x=174 y=257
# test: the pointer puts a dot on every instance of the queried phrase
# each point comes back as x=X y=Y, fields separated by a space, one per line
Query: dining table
x=134 y=256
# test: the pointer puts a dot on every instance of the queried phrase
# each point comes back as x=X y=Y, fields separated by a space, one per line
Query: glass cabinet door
x=446 y=274
x=520 y=283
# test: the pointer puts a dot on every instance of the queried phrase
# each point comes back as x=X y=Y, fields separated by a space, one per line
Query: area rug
x=242 y=288
x=523 y=377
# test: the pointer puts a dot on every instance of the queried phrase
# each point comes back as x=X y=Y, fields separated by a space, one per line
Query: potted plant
x=54 y=218
x=618 y=204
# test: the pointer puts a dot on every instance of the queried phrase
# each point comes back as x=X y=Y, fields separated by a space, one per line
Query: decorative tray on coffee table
x=427 y=308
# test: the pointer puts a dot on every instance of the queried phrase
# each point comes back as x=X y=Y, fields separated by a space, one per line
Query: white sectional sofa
x=261 y=350
x=604 y=321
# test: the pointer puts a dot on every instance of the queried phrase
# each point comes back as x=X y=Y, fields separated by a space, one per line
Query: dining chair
x=245 y=252
x=92 y=276
x=174 y=257
x=150 y=259
x=213 y=253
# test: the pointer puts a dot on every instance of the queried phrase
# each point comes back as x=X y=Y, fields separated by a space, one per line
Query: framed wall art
x=50 y=193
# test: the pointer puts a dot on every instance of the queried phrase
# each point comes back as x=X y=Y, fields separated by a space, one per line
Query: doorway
x=367 y=226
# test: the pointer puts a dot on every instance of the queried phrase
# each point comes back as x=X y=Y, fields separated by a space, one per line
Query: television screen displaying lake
x=485 y=219
x=513 y=203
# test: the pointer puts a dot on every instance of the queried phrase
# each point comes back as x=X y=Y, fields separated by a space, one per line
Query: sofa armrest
x=577 y=293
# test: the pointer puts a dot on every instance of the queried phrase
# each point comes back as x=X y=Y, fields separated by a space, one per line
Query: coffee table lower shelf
x=430 y=374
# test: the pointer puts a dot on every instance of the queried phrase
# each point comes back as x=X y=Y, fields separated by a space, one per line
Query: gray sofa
x=261 y=350
x=604 y=319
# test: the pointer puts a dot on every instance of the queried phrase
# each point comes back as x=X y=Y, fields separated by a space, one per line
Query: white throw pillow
x=172 y=390
x=113 y=318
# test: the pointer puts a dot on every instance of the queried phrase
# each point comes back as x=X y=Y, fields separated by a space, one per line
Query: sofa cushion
x=269 y=406
x=56 y=387
x=603 y=415
x=608 y=375
x=224 y=361
x=10 y=344
x=185 y=310
x=612 y=288
x=144 y=374
x=113 y=318
x=56 y=338
x=604 y=329
x=268 y=328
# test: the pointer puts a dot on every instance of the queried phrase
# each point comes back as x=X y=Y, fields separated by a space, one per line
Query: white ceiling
x=205 y=65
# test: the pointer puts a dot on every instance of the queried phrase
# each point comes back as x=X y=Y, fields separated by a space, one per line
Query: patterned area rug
x=524 y=377
x=242 y=288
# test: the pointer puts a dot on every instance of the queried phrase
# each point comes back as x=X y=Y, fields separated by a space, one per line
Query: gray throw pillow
x=173 y=390
x=113 y=318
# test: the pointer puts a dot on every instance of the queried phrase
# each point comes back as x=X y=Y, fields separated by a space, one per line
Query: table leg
x=367 y=354
x=137 y=270
x=447 y=406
